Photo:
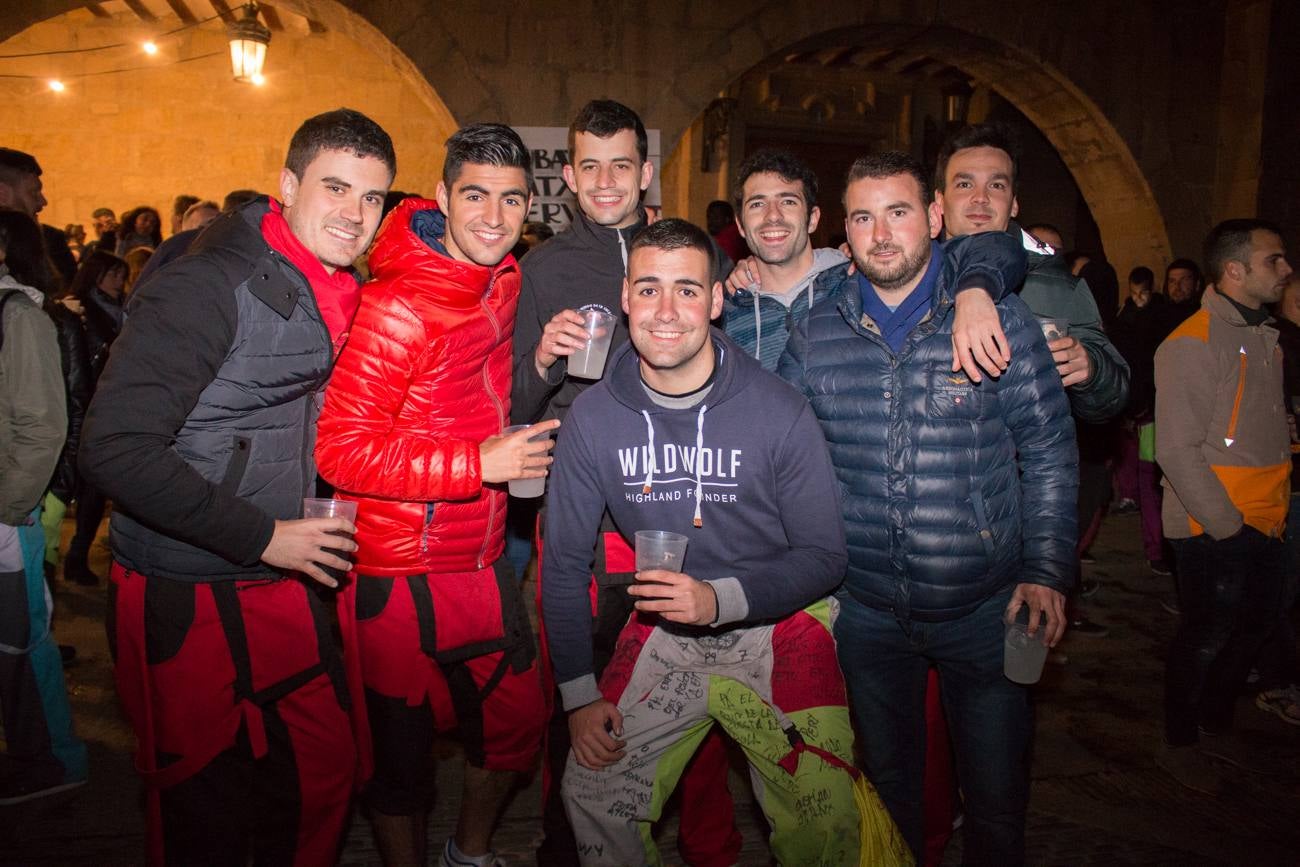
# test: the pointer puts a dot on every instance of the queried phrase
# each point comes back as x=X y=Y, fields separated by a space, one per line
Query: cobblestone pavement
x=1097 y=798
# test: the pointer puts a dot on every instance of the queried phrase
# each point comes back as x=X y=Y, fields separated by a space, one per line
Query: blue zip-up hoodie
x=745 y=475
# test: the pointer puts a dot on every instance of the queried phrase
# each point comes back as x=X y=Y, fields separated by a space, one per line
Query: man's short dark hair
x=604 y=118
x=675 y=234
x=343 y=129
x=886 y=165
x=102 y=212
x=236 y=199
x=1142 y=276
x=1230 y=242
x=183 y=203
x=1185 y=265
x=980 y=135
x=486 y=144
x=15 y=164
x=777 y=162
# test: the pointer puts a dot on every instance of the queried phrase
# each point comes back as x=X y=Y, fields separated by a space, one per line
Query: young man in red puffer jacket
x=435 y=633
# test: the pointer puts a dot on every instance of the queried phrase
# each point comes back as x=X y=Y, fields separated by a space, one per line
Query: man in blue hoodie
x=958 y=500
x=667 y=441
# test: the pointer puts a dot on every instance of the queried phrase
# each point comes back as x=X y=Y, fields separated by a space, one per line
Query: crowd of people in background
x=881 y=454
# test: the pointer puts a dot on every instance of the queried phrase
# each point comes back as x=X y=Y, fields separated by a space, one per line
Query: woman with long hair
x=98 y=287
x=141 y=227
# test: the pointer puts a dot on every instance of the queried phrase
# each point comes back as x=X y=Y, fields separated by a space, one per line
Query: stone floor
x=1097 y=798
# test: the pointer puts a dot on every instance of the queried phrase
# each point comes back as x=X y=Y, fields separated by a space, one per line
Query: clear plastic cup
x=527 y=488
x=659 y=549
x=1023 y=655
x=1053 y=328
x=589 y=361
x=319 y=507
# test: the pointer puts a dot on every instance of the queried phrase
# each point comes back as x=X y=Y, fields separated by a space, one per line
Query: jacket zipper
x=496 y=402
x=1236 y=403
x=309 y=477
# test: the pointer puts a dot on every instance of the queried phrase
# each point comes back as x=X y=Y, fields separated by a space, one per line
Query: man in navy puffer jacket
x=958 y=501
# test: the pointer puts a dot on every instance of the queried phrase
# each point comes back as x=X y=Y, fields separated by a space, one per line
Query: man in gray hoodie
x=776 y=210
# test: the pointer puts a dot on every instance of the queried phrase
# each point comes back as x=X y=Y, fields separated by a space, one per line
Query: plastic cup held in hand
x=658 y=549
x=1023 y=655
x=318 y=507
x=527 y=488
x=1053 y=329
x=589 y=361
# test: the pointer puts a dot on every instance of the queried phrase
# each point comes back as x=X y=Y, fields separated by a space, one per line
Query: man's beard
x=900 y=273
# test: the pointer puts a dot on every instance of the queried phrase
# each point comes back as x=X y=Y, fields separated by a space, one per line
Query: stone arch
x=242 y=144
x=1099 y=158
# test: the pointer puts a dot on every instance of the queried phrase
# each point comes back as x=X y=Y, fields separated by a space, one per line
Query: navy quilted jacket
x=950 y=490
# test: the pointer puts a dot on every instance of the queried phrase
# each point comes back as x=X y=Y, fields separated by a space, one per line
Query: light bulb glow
x=57 y=86
x=258 y=79
x=150 y=48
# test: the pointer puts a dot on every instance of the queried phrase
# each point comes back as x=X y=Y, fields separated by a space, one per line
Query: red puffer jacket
x=423 y=379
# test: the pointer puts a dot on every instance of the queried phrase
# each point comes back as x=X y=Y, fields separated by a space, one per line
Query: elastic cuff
x=733 y=604
x=579 y=692
x=989 y=281
x=555 y=373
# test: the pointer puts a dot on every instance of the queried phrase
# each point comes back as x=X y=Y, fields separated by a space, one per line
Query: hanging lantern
x=249 y=38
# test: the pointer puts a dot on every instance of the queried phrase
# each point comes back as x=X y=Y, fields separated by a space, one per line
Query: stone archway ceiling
x=278 y=19
x=1117 y=192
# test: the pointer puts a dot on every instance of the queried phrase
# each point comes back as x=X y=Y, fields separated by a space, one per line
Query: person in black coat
x=98 y=288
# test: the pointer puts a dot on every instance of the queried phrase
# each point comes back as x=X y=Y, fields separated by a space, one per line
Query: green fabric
x=52 y=523
x=668 y=771
x=1147 y=442
x=815 y=791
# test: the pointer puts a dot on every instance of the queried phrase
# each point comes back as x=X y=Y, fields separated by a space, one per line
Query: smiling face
x=669 y=299
x=608 y=177
x=334 y=209
x=978 y=192
x=485 y=209
x=774 y=217
x=889 y=231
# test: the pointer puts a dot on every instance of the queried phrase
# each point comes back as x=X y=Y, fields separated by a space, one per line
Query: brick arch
x=1102 y=163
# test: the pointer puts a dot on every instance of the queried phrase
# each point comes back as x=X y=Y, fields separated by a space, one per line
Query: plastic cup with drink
x=319 y=507
x=1023 y=655
x=589 y=361
x=526 y=488
x=1053 y=328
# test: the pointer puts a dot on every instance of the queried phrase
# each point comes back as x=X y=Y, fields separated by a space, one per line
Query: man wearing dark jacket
x=578 y=269
x=740 y=636
x=975 y=185
x=958 y=501
x=202 y=431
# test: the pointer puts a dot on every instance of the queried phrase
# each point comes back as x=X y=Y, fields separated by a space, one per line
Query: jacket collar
x=409 y=244
x=1220 y=306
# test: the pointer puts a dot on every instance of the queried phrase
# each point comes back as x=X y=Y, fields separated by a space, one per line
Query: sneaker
x=456 y=859
x=19 y=790
x=1190 y=767
x=1241 y=754
x=1285 y=703
x=80 y=574
x=1084 y=626
x=1160 y=567
x=1126 y=507
x=1088 y=588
